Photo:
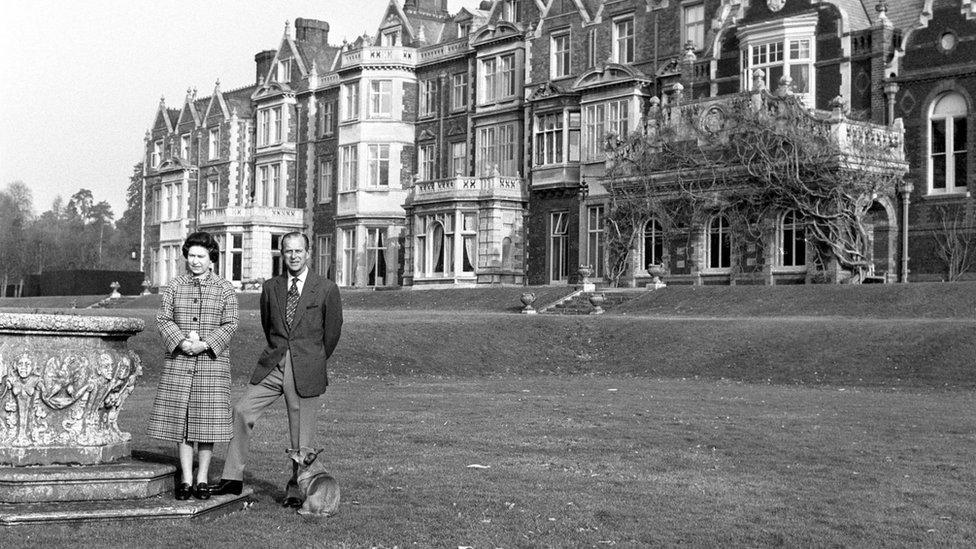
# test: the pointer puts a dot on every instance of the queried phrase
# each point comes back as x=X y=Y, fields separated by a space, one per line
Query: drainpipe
x=906 y=199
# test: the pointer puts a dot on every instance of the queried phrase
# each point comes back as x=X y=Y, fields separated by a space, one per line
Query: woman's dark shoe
x=202 y=491
x=227 y=486
x=183 y=491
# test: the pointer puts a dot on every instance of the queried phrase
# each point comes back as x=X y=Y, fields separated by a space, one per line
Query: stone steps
x=580 y=303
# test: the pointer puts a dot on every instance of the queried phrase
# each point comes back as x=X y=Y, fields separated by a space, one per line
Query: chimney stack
x=312 y=31
x=262 y=62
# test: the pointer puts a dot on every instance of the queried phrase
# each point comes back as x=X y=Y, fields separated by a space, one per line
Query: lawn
x=652 y=429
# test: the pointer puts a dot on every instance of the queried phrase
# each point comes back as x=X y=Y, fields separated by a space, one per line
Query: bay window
x=601 y=119
x=497 y=150
x=349 y=168
x=350 y=101
x=381 y=98
x=378 y=157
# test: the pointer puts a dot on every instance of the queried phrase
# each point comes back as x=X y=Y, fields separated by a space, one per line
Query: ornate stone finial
x=217 y=84
x=287 y=29
x=785 y=86
x=655 y=102
x=882 y=8
x=162 y=100
x=689 y=56
x=758 y=80
x=838 y=106
x=677 y=92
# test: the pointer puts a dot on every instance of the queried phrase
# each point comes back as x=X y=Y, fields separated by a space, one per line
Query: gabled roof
x=287 y=49
x=216 y=106
x=163 y=120
x=394 y=15
x=189 y=113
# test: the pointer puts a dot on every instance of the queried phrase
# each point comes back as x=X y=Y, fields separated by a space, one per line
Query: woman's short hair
x=205 y=240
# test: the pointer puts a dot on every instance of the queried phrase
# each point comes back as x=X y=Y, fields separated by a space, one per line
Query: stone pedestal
x=63 y=380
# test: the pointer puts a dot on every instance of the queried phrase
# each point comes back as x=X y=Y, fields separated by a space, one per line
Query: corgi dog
x=319 y=488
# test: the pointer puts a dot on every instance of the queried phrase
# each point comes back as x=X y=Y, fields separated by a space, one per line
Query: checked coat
x=193 y=400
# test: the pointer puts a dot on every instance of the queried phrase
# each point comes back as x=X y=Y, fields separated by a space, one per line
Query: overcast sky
x=82 y=79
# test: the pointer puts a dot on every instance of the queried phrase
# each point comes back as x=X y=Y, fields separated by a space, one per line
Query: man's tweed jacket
x=312 y=337
x=193 y=400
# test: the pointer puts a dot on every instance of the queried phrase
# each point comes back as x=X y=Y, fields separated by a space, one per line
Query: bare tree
x=955 y=246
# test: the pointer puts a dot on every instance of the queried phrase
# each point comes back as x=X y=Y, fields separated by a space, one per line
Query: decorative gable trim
x=172 y=164
x=609 y=75
x=494 y=32
x=272 y=89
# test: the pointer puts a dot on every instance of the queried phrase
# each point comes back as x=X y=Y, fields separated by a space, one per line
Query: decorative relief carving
x=63 y=379
x=63 y=396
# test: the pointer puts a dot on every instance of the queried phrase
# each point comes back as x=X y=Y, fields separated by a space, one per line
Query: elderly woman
x=196 y=320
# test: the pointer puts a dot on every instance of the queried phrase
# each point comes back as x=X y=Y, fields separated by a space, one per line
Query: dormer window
x=283 y=74
x=391 y=38
x=510 y=11
x=157 y=154
x=464 y=29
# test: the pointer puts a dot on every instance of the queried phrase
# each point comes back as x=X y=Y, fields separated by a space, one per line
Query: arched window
x=653 y=243
x=947 y=144
x=719 y=243
x=792 y=244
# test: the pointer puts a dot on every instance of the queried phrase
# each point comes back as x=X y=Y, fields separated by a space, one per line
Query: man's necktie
x=292 y=302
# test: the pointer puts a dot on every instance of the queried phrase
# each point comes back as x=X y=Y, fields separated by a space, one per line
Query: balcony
x=253 y=215
x=443 y=51
x=379 y=56
x=857 y=141
x=468 y=188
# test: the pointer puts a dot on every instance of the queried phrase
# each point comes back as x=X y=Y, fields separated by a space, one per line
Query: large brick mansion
x=467 y=148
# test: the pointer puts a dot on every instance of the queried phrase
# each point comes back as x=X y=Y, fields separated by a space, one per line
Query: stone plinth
x=122 y=480
x=157 y=507
x=63 y=380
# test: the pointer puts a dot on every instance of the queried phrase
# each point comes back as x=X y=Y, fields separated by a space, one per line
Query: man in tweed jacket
x=302 y=332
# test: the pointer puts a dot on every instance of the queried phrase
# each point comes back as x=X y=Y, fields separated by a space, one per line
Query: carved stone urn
x=528 y=298
x=63 y=380
x=597 y=301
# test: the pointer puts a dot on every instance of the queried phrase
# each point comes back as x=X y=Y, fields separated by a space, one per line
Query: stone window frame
x=964 y=114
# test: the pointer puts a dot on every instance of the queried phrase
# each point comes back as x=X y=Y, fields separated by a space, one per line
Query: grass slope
x=957 y=300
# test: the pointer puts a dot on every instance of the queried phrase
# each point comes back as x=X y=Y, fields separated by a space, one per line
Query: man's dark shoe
x=202 y=491
x=292 y=495
x=227 y=486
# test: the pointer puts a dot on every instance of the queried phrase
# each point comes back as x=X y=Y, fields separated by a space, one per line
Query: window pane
x=801 y=80
x=938 y=136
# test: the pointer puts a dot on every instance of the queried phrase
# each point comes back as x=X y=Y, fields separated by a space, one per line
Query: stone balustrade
x=380 y=55
x=468 y=188
x=271 y=215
